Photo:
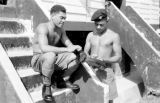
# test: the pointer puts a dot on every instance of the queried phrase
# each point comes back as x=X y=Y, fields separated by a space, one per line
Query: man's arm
x=42 y=32
x=87 y=44
x=116 y=50
x=66 y=41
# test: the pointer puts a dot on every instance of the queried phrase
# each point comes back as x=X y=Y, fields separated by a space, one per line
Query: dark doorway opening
x=126 y=63
x=78 y=37
x=118 y=3
x=3 y=2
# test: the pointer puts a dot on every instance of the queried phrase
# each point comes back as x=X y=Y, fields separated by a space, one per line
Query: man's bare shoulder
x=113 y=33
x=90 y=34
x=42 y=28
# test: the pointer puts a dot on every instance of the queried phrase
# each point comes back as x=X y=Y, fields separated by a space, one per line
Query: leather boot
x=47 y=94
x=72 y=86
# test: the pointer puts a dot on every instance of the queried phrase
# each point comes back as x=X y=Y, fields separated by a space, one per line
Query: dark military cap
x=99 y=15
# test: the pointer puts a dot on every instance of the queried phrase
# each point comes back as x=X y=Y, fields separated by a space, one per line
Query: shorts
x=62 y=61
x=105 y=74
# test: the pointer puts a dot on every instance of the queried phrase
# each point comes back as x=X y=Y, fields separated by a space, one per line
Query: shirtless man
x=48 y=53
x=104 y=45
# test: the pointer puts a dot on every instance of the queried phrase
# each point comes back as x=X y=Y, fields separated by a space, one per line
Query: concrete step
x=60 y=96
x=10 y=42
x=130 y=88
x=20 y=56
x=11 y=27
x=31 y=79
x=33 y=84
x=22 y=61
x=14 y=25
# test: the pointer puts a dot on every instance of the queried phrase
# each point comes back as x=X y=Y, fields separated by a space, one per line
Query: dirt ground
x=150 y=99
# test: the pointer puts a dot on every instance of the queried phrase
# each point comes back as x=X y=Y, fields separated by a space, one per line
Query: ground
x=150 y=99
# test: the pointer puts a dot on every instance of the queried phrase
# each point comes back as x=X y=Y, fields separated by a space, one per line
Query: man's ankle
x=46 y=81
x=47 y=93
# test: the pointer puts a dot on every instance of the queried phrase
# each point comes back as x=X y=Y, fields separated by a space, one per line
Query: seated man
x=48 y=53
x=103 y=49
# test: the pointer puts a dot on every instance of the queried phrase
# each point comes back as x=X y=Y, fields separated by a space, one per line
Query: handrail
x=13 y=77
x=141 y=47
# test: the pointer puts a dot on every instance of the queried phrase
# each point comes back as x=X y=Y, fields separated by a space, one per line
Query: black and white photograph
x=79 y=51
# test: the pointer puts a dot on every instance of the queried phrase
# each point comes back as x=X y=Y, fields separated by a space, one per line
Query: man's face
x=101 y=26
x=58 y=18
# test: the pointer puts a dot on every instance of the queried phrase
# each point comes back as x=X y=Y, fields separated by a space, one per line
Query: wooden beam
x=78 y=26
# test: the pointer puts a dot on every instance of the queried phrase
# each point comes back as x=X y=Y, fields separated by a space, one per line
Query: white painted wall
x=82 y=10
x=77 y=10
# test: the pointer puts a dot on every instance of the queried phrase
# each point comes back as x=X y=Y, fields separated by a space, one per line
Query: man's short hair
x=99 y=15
x=58 y=8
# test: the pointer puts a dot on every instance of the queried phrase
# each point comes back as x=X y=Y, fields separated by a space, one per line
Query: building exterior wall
x=77 y=10
x=149 y=10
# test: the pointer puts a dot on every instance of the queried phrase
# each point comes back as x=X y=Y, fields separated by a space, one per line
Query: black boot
x=72 y=86
x=47 y=94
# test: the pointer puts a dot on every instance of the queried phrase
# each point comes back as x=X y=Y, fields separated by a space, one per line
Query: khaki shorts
x=63 y=59
x=107 y=76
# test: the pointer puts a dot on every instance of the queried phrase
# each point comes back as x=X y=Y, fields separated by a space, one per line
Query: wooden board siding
x=147 y=9
x=77 y=10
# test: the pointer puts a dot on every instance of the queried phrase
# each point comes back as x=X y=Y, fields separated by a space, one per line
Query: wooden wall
x=147 y=9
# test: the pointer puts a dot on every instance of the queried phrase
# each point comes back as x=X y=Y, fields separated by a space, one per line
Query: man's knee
x=49 y=57
x=48 y=60
x=72 y=56
x=73 y=65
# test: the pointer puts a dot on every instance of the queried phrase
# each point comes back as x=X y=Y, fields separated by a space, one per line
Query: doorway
x=118 y=3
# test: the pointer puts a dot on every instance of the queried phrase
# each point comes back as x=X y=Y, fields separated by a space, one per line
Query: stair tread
x=37 y=95
x=19 y=51
x=22 y=35
x=27 y=72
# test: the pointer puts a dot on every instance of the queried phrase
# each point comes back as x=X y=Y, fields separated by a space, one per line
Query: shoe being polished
x=47 y=94
x=72 y=86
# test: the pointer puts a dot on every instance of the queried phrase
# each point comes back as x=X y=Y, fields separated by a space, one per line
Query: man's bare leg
x=48 y=60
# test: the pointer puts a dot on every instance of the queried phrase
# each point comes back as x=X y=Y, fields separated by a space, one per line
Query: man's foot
x=72 y=86
x=47 y=94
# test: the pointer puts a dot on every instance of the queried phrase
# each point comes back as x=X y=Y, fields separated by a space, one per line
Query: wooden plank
x=144 y=1
x=95 y=4
x=141 y=45
x=143 y=6
x=78 y=26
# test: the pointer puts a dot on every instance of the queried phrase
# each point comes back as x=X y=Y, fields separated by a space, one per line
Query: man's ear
x=52 y=15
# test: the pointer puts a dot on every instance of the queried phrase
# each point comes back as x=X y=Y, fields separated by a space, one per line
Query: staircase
x=17 y=44
x=16 y=37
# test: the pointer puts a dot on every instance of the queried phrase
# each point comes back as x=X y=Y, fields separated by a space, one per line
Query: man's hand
x=78 y=48
x=74 y=48
x=71 y=49
x=82 y=56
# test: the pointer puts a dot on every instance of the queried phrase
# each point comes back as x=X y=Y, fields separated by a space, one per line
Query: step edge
x=19 y=52
x=27 y=72
x=37 y=95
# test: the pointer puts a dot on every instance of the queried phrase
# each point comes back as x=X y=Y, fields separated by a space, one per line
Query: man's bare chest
x=54 y=37
x=101 y=41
